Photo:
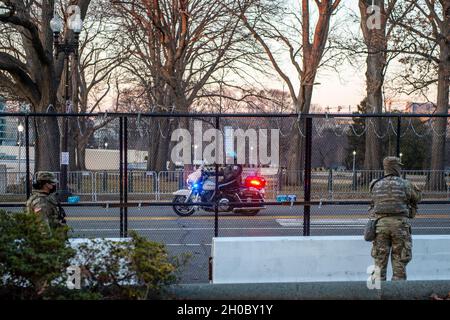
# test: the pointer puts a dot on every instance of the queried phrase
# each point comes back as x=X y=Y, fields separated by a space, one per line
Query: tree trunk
x=72 y=145
x=81 y=157
x=164 y=141
x=437 y=181
x=375 y=79
x=376 y=43
x=153 y=144
x=47 y=150
x=82 y=140
x=296 y=158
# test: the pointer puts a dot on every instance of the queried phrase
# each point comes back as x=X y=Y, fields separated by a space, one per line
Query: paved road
x=193 y=234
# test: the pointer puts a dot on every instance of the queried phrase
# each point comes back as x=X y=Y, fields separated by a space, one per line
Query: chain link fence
x=122 y=169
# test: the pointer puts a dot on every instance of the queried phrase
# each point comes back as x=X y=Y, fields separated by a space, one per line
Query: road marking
x=316 y=228
x=188 y=244
x=178 y=229
x=443 y=210
x=299 y=222
x=93 y=218
x=315 y=217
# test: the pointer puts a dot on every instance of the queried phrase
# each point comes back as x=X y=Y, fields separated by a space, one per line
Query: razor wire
x=440 y=134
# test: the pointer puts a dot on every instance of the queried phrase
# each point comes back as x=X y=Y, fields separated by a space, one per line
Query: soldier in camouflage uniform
x=43 y=201
x=394 y=202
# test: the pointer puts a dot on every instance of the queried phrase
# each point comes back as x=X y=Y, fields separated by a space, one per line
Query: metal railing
x=329 y=184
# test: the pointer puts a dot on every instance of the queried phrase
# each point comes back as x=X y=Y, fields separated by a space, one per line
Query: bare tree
x=374 y=18
x=176 y=46
x=99 y=79
x=30 y=71
x=426 y=32
x=305 y=55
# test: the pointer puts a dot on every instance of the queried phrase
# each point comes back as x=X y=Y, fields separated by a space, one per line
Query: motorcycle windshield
x=194 y=176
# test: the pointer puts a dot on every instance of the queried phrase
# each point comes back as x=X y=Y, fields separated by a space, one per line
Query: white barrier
x=318 y=258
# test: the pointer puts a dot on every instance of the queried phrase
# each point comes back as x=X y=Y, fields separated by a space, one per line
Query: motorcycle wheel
x=250 y=213
x=256 y=199
x=182 y=211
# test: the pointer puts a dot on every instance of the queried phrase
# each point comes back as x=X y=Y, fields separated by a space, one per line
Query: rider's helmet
x=231 y=158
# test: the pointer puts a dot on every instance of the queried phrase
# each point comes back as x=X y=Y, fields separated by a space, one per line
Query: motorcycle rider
x=232 y=174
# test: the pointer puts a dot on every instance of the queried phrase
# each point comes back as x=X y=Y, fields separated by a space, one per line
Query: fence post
x=79 y=181
x=216 y=192
x=156 y=184
x=130 y=182
x=307 y=181
x=279 y=182
x=330 y=183
x=125 y=175
x=399 y=122
x=180 y=179
x=121 y=174
x=27 y=156
x=105 y=181
x=94 y=186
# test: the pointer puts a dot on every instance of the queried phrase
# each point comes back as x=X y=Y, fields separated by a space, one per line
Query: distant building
x=8 y=127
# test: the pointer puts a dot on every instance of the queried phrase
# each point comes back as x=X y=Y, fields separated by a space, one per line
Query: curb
x=356 y=290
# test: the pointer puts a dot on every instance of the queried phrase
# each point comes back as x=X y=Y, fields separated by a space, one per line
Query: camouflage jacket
x=47 y=207
x=395 y=196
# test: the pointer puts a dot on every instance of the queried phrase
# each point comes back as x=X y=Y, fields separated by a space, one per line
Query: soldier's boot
x=377 y=276
x=398 y=278
x=398 y=269
x=383 y=271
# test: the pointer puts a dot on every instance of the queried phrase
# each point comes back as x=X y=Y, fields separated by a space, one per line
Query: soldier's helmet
x=391 y=161
x=46 y=176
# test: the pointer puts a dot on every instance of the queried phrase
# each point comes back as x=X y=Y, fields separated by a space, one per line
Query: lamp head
x=56 y=24
x=76 y=25
x=7 y=9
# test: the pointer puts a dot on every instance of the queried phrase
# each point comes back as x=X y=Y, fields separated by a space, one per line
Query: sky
x=346 y=86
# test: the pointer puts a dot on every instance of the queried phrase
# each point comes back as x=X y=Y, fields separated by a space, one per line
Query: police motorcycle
x=232 y=196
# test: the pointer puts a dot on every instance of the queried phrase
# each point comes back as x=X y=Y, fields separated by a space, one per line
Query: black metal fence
x=120 y=167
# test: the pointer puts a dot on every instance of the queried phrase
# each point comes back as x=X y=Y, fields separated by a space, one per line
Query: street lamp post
x=68 y=47
x=7 y=9
x=401 y=155
x=20 y=130
x=354 y=172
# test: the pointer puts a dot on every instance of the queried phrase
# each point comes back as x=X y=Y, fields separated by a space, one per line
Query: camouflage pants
x=393 y=240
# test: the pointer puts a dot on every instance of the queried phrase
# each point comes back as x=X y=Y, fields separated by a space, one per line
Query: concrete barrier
x=318 y=259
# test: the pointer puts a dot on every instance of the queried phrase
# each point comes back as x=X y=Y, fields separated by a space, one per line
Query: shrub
x=136 y=269
x=33 y=263
x=31 y=258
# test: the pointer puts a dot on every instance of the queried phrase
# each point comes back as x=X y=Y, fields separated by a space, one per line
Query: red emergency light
x=255 y=182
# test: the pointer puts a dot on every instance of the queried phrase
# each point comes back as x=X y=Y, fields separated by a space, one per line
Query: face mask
x=53 y=189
